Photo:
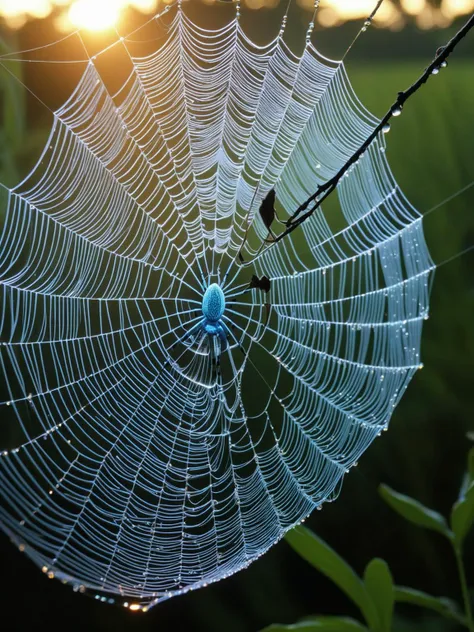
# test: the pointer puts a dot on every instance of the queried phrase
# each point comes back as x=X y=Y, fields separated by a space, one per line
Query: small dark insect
x=267 y=211
x=261 y=284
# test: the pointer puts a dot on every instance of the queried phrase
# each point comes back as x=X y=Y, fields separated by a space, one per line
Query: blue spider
x=213 y=306
x=213 y=325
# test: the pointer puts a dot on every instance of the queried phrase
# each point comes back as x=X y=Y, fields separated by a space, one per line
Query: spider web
x=134 y=465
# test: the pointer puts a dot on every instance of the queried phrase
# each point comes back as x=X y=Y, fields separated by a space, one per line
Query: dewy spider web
x=158 y=443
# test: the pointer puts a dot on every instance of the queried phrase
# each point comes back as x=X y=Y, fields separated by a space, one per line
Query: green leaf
x=468 y=476
x=379 y=585
x=444 y=606
x=327 y=561
x=320 y=624
x=462 y=516
x=415 y=512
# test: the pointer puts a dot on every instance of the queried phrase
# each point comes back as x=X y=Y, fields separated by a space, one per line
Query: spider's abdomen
x=213 y=303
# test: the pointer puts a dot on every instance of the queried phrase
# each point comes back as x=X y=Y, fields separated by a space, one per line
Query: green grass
x=430 y=149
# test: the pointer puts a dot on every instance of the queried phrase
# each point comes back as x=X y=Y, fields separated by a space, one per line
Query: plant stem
x=465 y=591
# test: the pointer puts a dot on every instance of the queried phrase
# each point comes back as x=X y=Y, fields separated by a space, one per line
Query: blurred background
x=97 y=15
x=431 y=151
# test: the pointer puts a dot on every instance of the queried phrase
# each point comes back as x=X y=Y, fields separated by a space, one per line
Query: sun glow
x=95 y=16
x=99 y=15
x=103 y=15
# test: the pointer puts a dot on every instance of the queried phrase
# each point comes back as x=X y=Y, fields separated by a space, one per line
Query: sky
x=89 y=14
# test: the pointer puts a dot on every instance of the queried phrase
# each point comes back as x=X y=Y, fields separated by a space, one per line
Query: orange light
x=97 y=15
x=93 y=15
x=413 y=7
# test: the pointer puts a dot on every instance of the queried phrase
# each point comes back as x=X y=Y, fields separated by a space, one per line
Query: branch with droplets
x=267 y=207
x=324 y=190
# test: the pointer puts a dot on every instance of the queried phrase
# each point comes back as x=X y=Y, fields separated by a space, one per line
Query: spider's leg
x=231 y=333
x=223 y=338
x=214 y=356
x=182 y=339
x=186 y=335
x=218 y=360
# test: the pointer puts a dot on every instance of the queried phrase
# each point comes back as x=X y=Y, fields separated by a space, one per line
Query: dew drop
x=386 y=128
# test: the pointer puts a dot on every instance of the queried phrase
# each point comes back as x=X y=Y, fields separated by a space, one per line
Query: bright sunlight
x=95 y=16
x=91 y=15
x=98 y=15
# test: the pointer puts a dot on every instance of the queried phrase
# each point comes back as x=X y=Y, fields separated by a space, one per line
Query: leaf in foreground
x=327 y=561
x=320 y=624
x=414 y=511
x=444 y=606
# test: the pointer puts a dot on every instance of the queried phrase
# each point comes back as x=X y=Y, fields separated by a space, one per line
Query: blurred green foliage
x=431 y=152
x=375 y=593
x=12 y=129
x=20 y=140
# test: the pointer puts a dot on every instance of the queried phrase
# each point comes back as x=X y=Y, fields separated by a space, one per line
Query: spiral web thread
x=136 y=466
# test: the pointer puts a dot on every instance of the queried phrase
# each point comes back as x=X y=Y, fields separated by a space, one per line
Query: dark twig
x=372 y=15
x=267 y=207
x=324 y=190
